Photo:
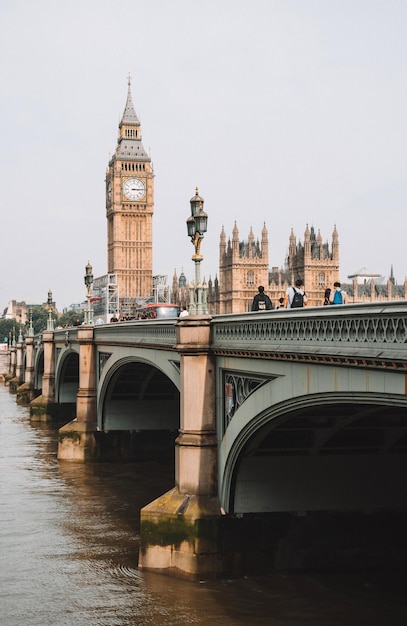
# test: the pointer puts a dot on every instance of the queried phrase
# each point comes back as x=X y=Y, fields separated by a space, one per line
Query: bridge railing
x=151 y=332
x=360 y=331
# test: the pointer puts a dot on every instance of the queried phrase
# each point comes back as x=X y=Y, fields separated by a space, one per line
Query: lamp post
x=20 y=332
x=196 y=226
x=88 y=282
x=30 y=332
x=50 y=321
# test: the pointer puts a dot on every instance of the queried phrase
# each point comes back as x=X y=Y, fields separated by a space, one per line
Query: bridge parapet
x=152 y=332
x=370 y=335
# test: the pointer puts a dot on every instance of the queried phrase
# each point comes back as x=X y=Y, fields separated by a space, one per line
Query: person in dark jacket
x=261 y=302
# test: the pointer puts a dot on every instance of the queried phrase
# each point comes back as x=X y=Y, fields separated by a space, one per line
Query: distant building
x=179 y=291
x=364 y=276
x=76 y=306
x=367 y=286
x=16 y=311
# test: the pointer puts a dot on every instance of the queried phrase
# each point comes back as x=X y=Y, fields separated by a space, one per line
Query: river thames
x=69 y=544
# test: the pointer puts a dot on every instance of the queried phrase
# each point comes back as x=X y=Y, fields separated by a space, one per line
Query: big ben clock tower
x=129 y=211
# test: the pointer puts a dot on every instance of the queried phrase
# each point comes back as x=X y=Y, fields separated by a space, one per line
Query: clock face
x=134 y=189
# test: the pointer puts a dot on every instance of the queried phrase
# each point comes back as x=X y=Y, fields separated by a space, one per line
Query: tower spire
x=129 y=139
x=129 y=114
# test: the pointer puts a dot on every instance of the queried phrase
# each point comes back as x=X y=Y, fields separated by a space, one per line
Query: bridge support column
x=17 y=379
x=43 y=408
x=11 y=363
x=25 y=392
x=180 y=531
x=77 y=440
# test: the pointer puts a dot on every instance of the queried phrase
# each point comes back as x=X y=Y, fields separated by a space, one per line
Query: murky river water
x=68 y=553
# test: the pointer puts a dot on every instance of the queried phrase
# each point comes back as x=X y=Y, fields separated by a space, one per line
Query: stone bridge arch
x=139 y=398
x=38 y=369
x=67 y=377
x=287 y=452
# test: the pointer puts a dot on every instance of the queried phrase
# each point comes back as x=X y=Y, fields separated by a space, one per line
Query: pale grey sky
x=286 y=112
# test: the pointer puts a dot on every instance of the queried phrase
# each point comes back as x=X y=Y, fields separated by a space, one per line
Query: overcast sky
x=288 y=112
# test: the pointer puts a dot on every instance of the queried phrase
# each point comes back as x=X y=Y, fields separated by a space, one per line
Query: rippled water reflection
x=69 y=541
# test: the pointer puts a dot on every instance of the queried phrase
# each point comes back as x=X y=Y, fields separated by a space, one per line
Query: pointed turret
x=392 y=279
x=292 y=250
x=250 y=241
x=264 y=233
x=335 y=245
x=264 y=243
x=222 y=244
x=307 y=242
x=319 y=249
x=174 y=297
x=129 y=139
x=129 y=114
x=235 y=242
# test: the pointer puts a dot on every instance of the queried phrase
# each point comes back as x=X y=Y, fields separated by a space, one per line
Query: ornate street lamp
x=196 y=226
x=30 y=332
x=50 y=321
x=20 y=332
x=88 y=282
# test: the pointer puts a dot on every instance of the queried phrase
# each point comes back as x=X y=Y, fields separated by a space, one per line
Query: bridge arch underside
x=313 y=464
x=67 y=379
x=141 y=401
x=331 y=456
x=39 y=370
x=323 y=486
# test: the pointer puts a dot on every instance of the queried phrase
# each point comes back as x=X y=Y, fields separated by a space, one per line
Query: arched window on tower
x=321 y=279
x=250 y=278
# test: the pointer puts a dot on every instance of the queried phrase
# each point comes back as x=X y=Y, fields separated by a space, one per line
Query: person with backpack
x=261 y=302
x=337 y=295
x=295 y=296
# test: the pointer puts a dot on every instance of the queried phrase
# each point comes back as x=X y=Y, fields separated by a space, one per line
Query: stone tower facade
x=315 y=263
x=129 y=211
x=242 y=267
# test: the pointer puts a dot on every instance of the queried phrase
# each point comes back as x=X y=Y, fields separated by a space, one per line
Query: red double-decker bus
x=159 y=311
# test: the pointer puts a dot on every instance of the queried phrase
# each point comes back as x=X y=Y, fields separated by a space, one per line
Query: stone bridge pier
x=77 y=439
x=43 y=408
x=179 y=532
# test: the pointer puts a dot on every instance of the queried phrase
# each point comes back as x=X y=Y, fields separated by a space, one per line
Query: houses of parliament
x=243 y=264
